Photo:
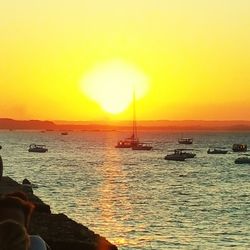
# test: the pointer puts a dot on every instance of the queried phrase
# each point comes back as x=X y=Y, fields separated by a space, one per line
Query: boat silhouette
x=133 y=141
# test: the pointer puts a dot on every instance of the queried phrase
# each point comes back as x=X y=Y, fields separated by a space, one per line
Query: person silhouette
x=15 y=206
x=13 y=236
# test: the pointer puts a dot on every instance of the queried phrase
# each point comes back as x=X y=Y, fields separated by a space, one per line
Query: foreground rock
x=59 y=231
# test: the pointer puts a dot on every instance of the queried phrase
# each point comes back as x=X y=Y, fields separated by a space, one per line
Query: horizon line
x=143 y=120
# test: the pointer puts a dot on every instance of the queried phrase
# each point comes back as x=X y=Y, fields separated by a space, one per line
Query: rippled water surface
x=138 y=200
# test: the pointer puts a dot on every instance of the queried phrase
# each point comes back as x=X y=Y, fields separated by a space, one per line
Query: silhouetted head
x=15 y=206
x=13 y=236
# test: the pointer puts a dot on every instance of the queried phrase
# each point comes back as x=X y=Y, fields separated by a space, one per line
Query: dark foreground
x=59 y=231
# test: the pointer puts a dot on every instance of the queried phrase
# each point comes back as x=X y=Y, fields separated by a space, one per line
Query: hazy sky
x=194 y=53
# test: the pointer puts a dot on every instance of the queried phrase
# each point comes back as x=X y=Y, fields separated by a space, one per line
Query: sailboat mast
x=134 y=117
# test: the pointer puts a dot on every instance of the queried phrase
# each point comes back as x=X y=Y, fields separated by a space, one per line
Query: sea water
x=136 y=199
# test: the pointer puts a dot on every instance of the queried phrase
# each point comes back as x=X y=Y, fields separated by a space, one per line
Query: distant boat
x=239 y=147
x=185 y=141
x=175 y=157
x=133 y=141
x=183 y=151
x=217 y=151
x=179 y=155
x=64 y=133
x=142 y=146
x=242 y=160
x=187 y=154
x=37 y=148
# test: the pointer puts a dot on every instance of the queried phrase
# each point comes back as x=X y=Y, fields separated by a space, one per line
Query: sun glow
x=111 y=85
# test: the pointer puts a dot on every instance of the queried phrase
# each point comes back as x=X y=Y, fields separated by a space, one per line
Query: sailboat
x=133 y=141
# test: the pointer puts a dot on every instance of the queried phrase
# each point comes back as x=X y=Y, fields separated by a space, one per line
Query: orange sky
x=188 y=59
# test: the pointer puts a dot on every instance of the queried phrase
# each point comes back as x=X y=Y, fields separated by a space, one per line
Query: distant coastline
x=161 y=125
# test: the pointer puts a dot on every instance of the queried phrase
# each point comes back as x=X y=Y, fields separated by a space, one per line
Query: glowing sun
x=111 y=85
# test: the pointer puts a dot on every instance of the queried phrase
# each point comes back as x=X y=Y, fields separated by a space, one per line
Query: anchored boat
x=217 y=150
x=239 y=147
x=185 y=141
x=142 y=146
x=37 y=148
x=242 y=160
x=133 y=141
x=179 y=155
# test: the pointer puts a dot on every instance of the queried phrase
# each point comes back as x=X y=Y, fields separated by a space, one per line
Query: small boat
x=242 y=160
x=239 y=147
x=186 y=154
x=217 y=151
x=175 y=157
x=185 y=141
x=182 y=151
x=142 y=146
x=64 y=133
x=37 y=148
x=179 y=155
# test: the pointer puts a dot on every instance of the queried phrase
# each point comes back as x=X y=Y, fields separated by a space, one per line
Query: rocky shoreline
x=58 y=230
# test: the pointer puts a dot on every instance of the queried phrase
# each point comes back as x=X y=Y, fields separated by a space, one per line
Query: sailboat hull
x=128 y=143
x=142 y=146
x=123 y=146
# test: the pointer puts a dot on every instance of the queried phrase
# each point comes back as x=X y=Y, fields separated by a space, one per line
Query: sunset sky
x=80 y=59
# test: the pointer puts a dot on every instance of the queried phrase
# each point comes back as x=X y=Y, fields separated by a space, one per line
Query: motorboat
x=239 y=147
x=64 y=133
x=183 y=151
x=185 y=141
x=186 y=154
x=142 y=146
x=37 y=148
x=175 y=157
x=180 y=155
x=242 y=160
x=217 y=151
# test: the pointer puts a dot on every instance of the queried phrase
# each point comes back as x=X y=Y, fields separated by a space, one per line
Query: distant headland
x=180 y=125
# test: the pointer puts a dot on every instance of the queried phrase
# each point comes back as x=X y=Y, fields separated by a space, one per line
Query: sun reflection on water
x=110 y=188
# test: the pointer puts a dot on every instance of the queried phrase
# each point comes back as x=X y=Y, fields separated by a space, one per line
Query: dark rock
x=59 y=231
x=27 y=188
